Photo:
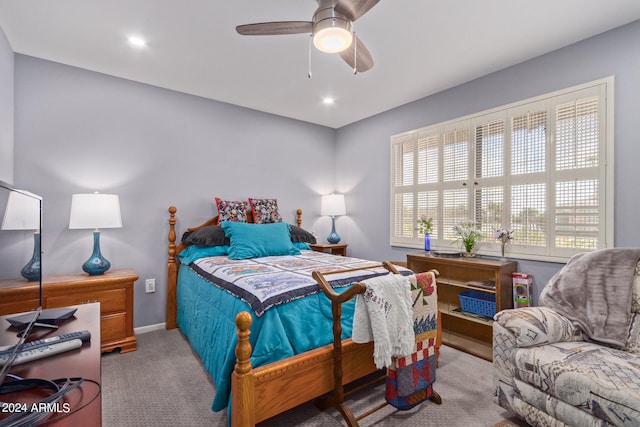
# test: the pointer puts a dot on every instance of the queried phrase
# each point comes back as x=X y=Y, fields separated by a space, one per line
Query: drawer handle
x=89 y=301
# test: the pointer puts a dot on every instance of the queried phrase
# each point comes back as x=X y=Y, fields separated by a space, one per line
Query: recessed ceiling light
x=328 y=100
x=137 y=41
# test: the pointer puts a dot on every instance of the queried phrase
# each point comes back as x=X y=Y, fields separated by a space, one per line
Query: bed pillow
x=302 y=245
x=300 y=235
x=265 y=211
x=229 y=210
x=211 y=235
x=258 y=240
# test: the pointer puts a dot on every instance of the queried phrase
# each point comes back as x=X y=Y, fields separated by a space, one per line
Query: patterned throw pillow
x=265 y=211
x=231 y=211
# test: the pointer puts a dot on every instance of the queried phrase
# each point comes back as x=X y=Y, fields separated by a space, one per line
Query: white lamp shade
x=22 y=213
x=95 y=211
x=332 y=205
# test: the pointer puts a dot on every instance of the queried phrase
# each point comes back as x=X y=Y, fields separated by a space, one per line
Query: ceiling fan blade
x=354 y=9
x=363 y=61
x=275 y=28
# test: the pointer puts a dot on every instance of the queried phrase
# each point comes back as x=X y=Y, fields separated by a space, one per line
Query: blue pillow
x=192 y=253
x=258 y=240
x=302 y=245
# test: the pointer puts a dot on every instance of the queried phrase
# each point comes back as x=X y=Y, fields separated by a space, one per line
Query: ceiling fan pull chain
x=310 y=41
x=355 y=54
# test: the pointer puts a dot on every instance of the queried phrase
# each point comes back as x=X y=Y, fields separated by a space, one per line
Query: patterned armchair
x=548 y=371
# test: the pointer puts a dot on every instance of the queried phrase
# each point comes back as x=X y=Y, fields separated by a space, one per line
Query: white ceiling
x=420 y=47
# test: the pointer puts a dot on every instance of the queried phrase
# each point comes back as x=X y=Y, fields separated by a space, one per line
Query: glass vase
x=502 y=249
x=427 y=242
x=31 y=271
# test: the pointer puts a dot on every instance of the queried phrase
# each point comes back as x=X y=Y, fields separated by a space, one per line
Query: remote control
x=32 y=345
x=44 y=351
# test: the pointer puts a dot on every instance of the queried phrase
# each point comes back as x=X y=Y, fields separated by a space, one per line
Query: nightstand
x=113 y=290
x=332 y=248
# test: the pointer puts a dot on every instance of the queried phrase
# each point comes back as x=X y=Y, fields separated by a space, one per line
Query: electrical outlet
x=150 y=285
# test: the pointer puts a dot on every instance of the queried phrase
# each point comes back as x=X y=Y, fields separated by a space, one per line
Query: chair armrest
x=538 y=325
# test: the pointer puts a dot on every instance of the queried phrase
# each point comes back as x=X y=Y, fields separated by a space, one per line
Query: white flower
x=503 y=234
x=425 y=224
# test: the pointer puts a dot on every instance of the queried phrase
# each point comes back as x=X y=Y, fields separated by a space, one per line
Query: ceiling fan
x=331 y=27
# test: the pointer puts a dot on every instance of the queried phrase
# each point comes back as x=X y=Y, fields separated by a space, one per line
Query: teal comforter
x=206 y=316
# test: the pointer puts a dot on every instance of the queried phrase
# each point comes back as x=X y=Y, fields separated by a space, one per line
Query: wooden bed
x=261 y=393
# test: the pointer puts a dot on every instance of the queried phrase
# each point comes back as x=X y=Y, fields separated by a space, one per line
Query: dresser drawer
x=113 y=327
x=18 y=306
x=110 y=301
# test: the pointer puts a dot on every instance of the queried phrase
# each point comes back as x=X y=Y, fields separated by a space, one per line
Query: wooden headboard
x=174 y=250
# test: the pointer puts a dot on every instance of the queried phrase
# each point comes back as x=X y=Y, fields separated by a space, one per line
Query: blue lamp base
x=97 y=264
x=333 y=238
x=31 y=271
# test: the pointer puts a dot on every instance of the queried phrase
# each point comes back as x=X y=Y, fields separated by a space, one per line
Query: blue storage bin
x=477 y=302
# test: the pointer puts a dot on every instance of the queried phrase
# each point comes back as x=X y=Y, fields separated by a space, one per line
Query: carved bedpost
x=299 y=217
x=172 y=272
x=242 y=379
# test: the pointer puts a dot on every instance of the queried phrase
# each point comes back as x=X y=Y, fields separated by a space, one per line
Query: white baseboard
x=149 y=328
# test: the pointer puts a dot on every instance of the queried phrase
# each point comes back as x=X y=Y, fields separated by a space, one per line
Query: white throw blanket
x=383 y=315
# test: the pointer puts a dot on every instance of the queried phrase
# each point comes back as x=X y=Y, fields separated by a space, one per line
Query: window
x=541 y=167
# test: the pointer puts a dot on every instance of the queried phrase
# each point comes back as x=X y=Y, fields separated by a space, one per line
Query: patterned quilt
x=265 y=282
x=410 y=378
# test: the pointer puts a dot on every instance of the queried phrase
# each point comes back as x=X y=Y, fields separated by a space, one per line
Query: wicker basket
x=477 y=302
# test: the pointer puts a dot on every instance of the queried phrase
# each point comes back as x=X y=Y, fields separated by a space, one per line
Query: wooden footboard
x=270 y=390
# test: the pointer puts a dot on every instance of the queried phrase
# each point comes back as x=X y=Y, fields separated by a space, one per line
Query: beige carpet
x=163 y=383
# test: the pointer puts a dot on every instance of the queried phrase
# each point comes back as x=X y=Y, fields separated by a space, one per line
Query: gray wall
x=6 y=110
x=362 y=149
x=81 y=131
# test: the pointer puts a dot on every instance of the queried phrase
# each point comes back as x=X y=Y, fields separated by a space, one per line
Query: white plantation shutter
x=528 y=142
x=541 y=167
x=491 y=210
x=456 y=154
x=489 y=154
x=528 y=214
x=577 y=136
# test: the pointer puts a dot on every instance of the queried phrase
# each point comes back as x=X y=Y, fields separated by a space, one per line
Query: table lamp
x=95 y=211
x=333 y=205
x=23 y=213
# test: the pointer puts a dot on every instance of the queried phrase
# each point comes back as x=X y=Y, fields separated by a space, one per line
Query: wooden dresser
x=113 y=290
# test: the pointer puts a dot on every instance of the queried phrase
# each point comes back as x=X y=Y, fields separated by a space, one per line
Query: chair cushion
x=538 y=325
x=600 y=380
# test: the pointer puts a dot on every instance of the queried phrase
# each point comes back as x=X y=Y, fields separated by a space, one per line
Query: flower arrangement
x=503 y=235
x=467 y=234
x=425 y=225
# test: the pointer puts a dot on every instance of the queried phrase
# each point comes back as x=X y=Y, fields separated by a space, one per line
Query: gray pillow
x=298 y=235
x=211 y=235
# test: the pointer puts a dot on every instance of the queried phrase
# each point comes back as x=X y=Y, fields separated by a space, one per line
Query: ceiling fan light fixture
x=332 y=39
x=332 y=32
